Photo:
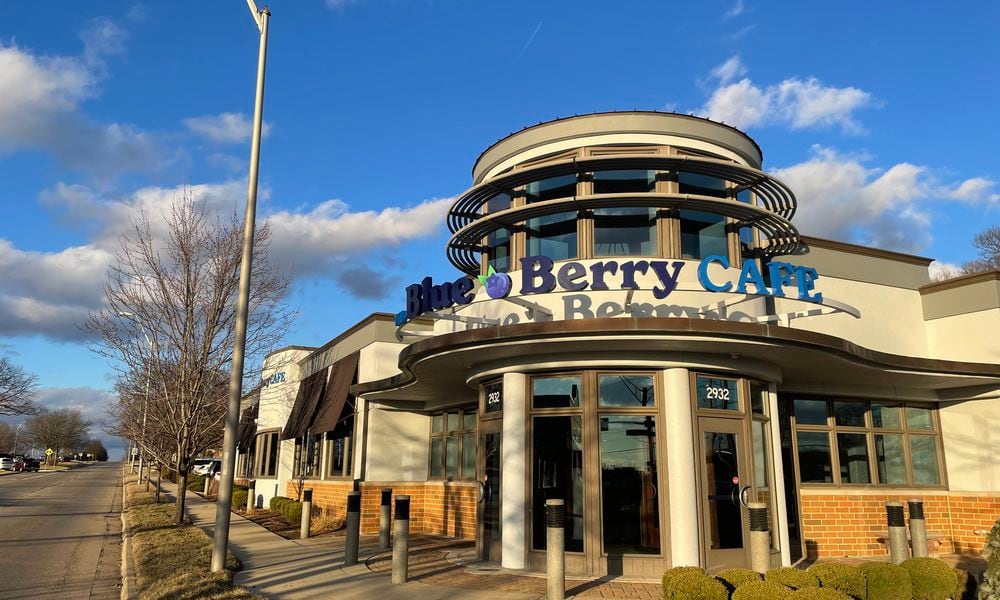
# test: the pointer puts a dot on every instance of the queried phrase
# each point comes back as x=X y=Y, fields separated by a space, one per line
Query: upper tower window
x=563 y=186
x=702 y=234
x=553 y=236
x=624 y=181
x=625 y=231
x=701 y=185
x=498 y=242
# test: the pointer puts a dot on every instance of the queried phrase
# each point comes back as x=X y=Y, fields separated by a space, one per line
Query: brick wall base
x=437 y=507
x=835 y=525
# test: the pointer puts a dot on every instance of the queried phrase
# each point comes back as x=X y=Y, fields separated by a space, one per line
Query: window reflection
x=557 y=473
x=890 y=459
x=624 y=181
x=628 y=485
x=625 y=232
x=702 y=234
x=553 y=236
x=852 y=450
x=702 y=185
x=555 y=392
x=549 y=189
x=814 y=457
x=635 y=391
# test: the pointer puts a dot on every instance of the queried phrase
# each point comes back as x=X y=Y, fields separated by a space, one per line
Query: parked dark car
x=31 y=464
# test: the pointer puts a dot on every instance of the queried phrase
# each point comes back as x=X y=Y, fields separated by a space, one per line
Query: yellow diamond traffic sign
x=49 y=452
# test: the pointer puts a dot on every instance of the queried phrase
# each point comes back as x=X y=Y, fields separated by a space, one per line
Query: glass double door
x=727 y=485
x=488 y=540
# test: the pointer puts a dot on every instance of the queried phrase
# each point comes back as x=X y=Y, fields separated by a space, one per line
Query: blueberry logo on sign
x=497 y=284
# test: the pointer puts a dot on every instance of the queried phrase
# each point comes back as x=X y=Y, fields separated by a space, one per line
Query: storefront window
x=553 y=236
x=859 y=447
x=814 y=457
x=629 y=485
x=702 y=234
x=453 y=444
x=266 y=459
x=307 y=453
x=758 y=398
x=339 y=444
x=555 y=392
x=557 y=472
x=634 y=391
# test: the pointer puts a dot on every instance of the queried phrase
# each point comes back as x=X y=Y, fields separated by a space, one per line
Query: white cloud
x=224 y=128
x=975 y=189
x=940 y=271
x=735 y=10
x=729 y=70
x=839 y=197
x=41 y=107
x=51 y=293
x=798 y=103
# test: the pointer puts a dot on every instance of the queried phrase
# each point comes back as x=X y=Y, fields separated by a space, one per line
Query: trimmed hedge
x=195 y=483
x=818 y=594
x=691 y=583
x=990 y=587
x=931 y=578
x=288 y=508
x=761 y=590
x=793 y=578
x=887 y=581
x=736 y=578
x=965 y=585
x=239 y=499
x=843 y=578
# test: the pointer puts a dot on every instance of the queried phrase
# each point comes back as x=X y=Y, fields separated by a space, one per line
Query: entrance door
x=727 y=485
x=488 y=540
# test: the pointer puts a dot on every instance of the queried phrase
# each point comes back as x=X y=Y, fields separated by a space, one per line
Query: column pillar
x=780 y=513
x=514 y=461
x=676 y=415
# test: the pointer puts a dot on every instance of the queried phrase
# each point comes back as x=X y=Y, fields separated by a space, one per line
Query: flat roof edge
x=962 y=281
x=912 y=259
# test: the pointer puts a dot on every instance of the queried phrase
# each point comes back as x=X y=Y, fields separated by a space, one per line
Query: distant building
x=641 y=331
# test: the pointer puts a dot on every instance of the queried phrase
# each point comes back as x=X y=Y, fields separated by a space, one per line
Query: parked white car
x=6 y=464
x=208 y=467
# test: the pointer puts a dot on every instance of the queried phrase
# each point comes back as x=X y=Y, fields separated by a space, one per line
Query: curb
x=128 y=566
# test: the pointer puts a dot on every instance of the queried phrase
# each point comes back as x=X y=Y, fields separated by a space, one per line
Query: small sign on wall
x=493 y=393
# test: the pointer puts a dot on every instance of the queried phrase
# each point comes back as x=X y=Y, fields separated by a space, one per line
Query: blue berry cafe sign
x=540 y=275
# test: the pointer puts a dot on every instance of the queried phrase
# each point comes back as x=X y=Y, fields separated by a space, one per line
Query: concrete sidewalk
x=303 y=569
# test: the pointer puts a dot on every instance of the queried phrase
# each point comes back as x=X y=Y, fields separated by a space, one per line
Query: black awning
x=247 y=428
x=310 y=391
x=344 y=373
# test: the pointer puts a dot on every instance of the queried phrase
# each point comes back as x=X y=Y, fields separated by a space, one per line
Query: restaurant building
x=637 y=327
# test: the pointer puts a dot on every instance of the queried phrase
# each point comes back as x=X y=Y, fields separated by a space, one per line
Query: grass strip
x=172 y=562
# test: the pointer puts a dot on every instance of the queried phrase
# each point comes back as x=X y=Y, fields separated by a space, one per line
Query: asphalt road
x=60 y=534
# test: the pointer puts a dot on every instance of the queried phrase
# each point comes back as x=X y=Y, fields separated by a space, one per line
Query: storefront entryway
x=488 y=541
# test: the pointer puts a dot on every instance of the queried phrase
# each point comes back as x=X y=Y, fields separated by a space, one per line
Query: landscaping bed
x=171 y=561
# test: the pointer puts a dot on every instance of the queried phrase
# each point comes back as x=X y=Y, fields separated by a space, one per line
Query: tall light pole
x=17 y=430
x=220 y=541
x=145 y=399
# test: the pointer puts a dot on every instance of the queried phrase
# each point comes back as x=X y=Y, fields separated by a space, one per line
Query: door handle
x=481 y=492
x=743 y=496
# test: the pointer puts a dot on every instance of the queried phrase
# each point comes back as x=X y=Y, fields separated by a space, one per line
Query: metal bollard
x=207 y=486
x=353 y=529
x=918 y=527
x=251 y=497
x=555 y=549
x=307 y=510
x=898 y=550
x=760 y=537
x=385 y=518
x=401 y=541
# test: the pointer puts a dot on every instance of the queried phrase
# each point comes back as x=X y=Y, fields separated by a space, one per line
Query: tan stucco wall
x=973 y=337
x=397 y=444
x=971 y=436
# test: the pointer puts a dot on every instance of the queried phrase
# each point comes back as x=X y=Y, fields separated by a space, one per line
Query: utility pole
x=220 y=541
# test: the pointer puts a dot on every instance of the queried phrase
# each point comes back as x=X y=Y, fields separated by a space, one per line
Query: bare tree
x=7 y=437
x=169 y=324
x=17 y=389
x=987 y=245
x=64 y=430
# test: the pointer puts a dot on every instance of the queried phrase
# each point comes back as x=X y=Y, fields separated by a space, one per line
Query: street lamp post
x=220 y=541
x=145 y=398
x=17 y=430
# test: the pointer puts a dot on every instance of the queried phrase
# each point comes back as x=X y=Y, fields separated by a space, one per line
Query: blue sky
x=881 y=117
